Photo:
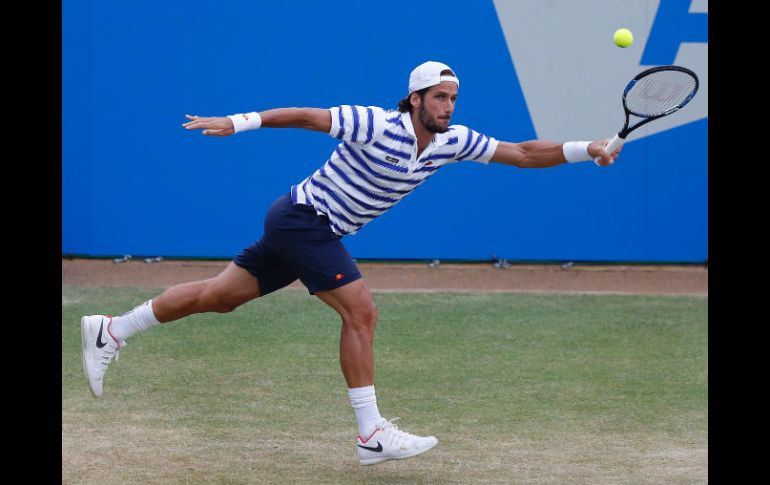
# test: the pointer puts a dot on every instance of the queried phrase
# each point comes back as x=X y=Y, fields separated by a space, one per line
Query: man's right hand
x=211 y=126
x=599 y=154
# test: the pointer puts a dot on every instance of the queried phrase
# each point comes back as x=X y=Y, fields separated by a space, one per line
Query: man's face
x=436 y=108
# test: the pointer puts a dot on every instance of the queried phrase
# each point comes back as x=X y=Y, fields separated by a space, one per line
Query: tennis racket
x=652 y=94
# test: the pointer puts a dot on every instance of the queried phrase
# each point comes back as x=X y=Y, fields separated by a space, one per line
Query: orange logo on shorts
x=339 y=276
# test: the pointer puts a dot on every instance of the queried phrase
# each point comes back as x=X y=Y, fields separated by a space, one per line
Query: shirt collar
x=406 y=119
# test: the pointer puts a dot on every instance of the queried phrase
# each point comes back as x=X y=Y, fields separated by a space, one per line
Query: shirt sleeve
x=357 y=124
x=474 y=146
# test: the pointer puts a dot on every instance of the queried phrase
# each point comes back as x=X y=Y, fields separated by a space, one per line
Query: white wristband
x=246 y=121
x=576 y=151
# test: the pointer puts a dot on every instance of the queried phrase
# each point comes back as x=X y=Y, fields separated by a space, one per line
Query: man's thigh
x=235 y=285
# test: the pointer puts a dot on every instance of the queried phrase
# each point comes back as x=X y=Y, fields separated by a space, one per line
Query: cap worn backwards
x=428 y=74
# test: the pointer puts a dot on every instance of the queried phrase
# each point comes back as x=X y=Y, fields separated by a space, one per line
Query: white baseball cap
x=428 y=74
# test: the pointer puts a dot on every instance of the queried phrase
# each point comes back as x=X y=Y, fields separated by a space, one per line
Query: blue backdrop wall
x=135 y=182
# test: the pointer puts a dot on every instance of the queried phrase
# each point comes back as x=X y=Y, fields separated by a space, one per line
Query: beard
x=430 y=123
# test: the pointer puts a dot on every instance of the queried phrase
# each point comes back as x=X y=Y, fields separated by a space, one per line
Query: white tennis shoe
x=99 y=349
x=389 y=443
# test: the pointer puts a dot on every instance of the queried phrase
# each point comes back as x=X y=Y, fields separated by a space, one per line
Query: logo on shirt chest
x=391 y=159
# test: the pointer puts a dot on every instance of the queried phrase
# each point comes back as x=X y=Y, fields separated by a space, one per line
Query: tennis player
x=383 y=155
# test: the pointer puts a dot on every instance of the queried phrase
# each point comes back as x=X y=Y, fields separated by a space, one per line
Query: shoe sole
x=85 y=339
x=373 y=461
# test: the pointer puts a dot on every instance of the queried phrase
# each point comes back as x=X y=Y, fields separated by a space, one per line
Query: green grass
x=517 y=388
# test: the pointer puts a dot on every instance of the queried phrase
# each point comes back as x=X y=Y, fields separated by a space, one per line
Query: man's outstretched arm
x=315 y=119
x=543 y=154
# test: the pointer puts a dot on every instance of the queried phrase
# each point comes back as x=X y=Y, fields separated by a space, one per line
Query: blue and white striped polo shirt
x=376 y=164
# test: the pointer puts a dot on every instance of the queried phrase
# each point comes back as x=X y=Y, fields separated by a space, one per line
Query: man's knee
x=363 y=316
x=219 y=305
x=214 y=300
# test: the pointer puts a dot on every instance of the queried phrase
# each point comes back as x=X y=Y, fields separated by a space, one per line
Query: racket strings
x=659 y=92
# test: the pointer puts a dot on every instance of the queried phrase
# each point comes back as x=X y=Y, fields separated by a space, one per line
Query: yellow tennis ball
x=623 y=38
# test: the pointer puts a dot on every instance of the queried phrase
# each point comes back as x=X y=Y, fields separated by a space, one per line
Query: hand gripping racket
x=652 y=94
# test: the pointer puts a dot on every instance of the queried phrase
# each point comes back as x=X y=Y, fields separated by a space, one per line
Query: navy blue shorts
x=298 y=243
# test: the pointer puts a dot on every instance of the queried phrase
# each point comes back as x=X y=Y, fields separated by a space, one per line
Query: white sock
x=138 y=319
x=364 y=403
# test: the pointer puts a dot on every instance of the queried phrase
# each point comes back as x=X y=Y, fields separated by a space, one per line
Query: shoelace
x=110 y=353
x=397 y=438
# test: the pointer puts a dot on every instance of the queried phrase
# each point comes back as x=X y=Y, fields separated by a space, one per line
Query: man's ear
x=415 y=100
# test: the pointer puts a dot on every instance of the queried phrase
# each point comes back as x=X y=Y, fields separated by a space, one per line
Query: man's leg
x=103 y=335
x=378 y=440
x=233 y=287
x=354 y=304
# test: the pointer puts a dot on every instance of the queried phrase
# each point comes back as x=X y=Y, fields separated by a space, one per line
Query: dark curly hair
x=405 y=106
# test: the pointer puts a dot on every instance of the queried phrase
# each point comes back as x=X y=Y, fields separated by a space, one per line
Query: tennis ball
x=623 y=38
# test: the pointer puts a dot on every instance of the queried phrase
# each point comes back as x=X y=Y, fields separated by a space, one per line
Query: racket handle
x=612 y=146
